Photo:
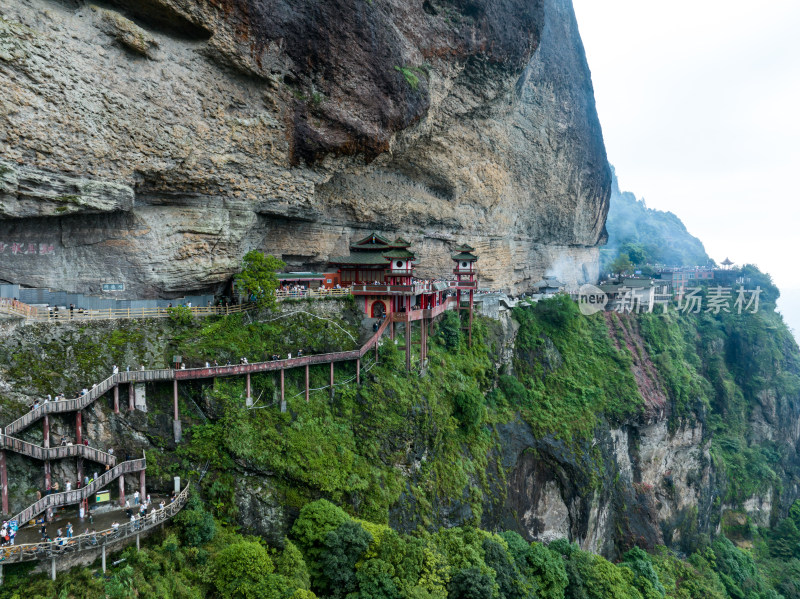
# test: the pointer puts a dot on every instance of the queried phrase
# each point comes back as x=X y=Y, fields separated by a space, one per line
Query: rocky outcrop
x=292 y=127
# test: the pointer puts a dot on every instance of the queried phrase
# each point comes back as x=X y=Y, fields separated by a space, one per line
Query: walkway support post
x=283 y=397
x=142 y=489
x=331 y=380
x=358 y=371
x=4 y=482
x=408 y=345
x=248 y=399
x=104 y=557
x=116 y=399
x=131 y=398
x=176 y=422
x=137 y=541
x=52 y=568
x=122 y=491
x=306 y=383
x=79 y=427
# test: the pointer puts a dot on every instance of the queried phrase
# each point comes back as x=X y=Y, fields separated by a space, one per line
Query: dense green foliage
x=572 y=375
x=359 y=560
x=257 y=280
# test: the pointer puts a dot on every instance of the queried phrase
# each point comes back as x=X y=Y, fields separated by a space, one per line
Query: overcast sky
x=699 y=101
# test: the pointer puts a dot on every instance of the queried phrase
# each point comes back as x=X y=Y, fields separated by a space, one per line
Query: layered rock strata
x=155 y=143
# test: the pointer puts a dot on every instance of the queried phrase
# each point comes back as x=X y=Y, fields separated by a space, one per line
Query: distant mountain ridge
x=648 y=235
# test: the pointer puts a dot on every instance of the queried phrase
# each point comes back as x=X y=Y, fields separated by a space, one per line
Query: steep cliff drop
x=154 y=144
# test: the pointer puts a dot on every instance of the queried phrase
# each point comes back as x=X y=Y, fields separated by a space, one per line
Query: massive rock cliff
x=155 y=143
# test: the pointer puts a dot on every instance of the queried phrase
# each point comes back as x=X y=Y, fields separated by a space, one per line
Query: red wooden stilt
x=331 y=380
x=122 y=491
x=306 y=383
x=131 y=398
x=358 y=371
x=116 y=399
x=78 y=427
x=248 y=400
x=282 y=387
x=142 y=489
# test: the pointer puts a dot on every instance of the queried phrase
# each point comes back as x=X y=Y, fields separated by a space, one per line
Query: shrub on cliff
x=257 y=280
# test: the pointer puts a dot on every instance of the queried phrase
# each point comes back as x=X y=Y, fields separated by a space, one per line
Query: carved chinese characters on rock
x=13 y=248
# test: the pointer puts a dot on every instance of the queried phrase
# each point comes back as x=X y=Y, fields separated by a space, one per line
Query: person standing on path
x=69 y=530
x=136 y=498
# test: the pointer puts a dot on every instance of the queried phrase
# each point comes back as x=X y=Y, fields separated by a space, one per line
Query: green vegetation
x=572 y=375
x=410 y=449
x=257 y=281
x=331 y=554
x=410 y=76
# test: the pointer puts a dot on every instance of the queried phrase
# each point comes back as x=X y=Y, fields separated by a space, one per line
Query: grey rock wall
x=155 y=147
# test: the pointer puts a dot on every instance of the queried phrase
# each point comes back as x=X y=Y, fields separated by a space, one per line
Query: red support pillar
x=408 y=345
x=471 y=291
x=4 y=479
x=47 y=480
x=142 y=489
x=358 y=371
x=79 y=427
x=131 y=398
x=331 y=380
x=122 y=491
x=46 y=430
x=116 y=399
x=248 y=399
x=306 y=383
x=79 y=469
x=391 y=330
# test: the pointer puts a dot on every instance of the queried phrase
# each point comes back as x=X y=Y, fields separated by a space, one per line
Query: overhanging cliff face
x=154 y=144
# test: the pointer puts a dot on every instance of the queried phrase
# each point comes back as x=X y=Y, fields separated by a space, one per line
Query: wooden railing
x=117 y=313
x=413 y=315
x=320 y=293
x=17 y=308
x=387 y=289
x=54 y=453
x=79 y=403
x=78 y=495
x=93 y=540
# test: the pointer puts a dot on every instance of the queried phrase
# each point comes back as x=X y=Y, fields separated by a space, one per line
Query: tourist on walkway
x=69 y=486
x=69 y=530
x=114 y=526
x=115 y=370
x=136 y=498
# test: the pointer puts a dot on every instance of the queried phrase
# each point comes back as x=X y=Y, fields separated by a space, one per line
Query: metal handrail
x=78 y=495
x=88 y=541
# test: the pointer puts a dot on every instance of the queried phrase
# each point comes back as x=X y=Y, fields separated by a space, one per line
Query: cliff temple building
x=380 y=274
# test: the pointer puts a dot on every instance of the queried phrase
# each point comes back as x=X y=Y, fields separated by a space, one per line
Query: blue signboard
x=113 y=286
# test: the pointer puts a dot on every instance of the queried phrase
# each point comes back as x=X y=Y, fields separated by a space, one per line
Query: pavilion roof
x=465 y=248
x=465 y=256
x=398 y=253
x=727 y=262
x=401 y=243
x=360 y=258
x=371 y=241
